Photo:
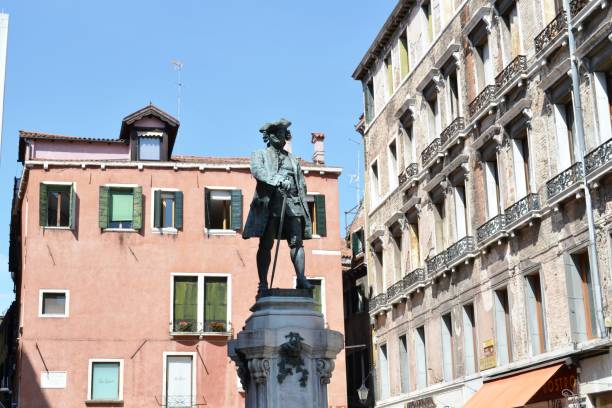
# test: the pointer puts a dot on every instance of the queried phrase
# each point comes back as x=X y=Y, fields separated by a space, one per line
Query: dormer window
x=149 y=145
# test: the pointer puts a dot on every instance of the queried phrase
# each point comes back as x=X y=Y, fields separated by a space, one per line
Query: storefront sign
x=422 y=403
x=488 y=360
x=564 y=379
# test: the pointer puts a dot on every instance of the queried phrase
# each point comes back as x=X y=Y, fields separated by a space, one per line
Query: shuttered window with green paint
x=223 y=209
x=317 y=293
x=120 y=207
x=57 y=205
x=168 y=209
x=185 y=304
x=215 y=304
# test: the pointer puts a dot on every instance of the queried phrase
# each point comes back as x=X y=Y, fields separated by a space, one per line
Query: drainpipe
x=577 y=103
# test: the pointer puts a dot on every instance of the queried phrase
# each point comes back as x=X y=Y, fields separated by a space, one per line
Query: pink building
x=131 y=272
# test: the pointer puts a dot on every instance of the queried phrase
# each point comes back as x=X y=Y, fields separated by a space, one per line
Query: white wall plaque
x=53 y=379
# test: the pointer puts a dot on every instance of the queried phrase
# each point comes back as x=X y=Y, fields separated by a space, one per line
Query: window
x=318 y=293
x=415 y=247
x=56 y=205
x=120 y=207
x=223 y=209
x=535 y=314
x=374 y=187
x=179 y=380
x=503 y=327
x=509 y=28
x=452 y=96
x=439 y=220
x=602 y=85
x=580 y=296
x=385 y=389
x=316 y=208
x=408 y=139
x=484 y=66
x=522 y=170
x=470 y=339
x=357 y=242
x=427 y=22
x=565 y=126
x=358 y=297
x=389 y=75
x=461 y=221
x=368 y=91
x=392 y=163
x=167 y=209
x=379 y=265
x=433 y=117
x=53 y=303
x=404 y=365
x=105 y=380
x=404 y=55
x=397 y=245
x=149 y=148
x=420 y=354
x=491 y=183
x=200 y=303
x=447 y=347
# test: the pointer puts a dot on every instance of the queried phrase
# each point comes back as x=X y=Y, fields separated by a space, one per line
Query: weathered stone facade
x=473 y=191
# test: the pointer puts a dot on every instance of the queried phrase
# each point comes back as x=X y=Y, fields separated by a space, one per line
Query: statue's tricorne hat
x=271 y=127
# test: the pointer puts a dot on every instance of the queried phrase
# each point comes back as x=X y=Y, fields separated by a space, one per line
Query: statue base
x=284 y=354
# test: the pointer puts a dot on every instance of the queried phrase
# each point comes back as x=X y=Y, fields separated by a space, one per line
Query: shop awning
x=513 y=391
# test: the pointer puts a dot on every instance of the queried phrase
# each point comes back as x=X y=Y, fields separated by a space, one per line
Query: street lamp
x=363 y=393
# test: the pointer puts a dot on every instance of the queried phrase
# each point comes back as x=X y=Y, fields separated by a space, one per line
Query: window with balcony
x=105 y=380
x=222 y=209
x=440 y=224
x=358 y=298
x=379 y=266
x=57 y=205
x=200 y=303
x=374 y=185
x=470 y=340
x=602 y=86
x=503 y=327
x=408 y=139
x=509 y=30
x=580 y=296
x=451 y=92
x=404 y=55
x=120 y=207
x=447 y=347
x=491 y=182
x=397 y=243
x=179 y=381
x=415 y=246
x=316 y=208
x=482 y=58
x=434 y=124
x=427 y=23
x=566 y=134
x=388 y=75
x=385 y=388
x=535 y=313
x=420 y=353
x=368 y=92
x=392 y=164
x=53 y=303
x=404 y=365
x=167 y=209
x=461 y=221
x=357 y=241
x=522 y=167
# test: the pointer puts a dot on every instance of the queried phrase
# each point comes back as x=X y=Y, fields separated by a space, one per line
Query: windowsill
x=53 y=316
x=104 y=402
x=220 y=231
x=119 y=230
x=165 y=231
x=57 y=228
x=200 y=334
x=316 y=236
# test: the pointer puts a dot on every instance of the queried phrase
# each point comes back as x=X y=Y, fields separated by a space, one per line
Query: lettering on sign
x=564 y=379
x=422 y=403
x=489 y=359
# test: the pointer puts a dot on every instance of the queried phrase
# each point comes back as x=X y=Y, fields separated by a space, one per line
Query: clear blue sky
x=78 y=67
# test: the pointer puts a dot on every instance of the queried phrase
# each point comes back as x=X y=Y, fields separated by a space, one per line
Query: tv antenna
x=178 y=67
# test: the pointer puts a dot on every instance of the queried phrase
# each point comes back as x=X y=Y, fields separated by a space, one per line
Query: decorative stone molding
x=259 y=369
x=483 y=14
x=325 y=367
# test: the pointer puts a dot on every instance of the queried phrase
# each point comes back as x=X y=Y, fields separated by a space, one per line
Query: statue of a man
x=278 y=175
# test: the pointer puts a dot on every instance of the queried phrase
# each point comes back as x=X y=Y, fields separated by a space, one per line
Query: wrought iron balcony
x=491 y=230
x=451 y=131
x=599 y=157
x=551 y=32
x=460 y=251
x=436 y=264
x=527 y=207
x=430 y=152
x=577 y=5
x=482 y=100
x=395 y=292
x=414 y=279
x=377 y=303
x=563 y=181
x=512 y=70
x=409 y=173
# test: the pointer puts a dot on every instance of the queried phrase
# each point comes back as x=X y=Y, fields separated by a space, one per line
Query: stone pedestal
x=284 y=354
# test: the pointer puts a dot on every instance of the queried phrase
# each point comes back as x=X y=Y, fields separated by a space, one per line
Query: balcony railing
x=514 y=68
x=377 y=303
x=577 y=5
x=436 y=264
x=395 y=290
x=550 y=33
x=430 y=152
x=483 y=99
x=409 y=173
x=522 y=208
x=564 y=180
x=491 y=228
x=599 y=157
x=452 y=130
x=413 y=279
x=460 y=249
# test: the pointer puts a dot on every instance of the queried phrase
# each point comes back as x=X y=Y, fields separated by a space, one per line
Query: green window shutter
x=72 y=218
x=321 y=219
x=137 y=220
x=157 y=212
x=215 y=304
x=103 y=207
x=178 y=210
x=185 y=303
x=206 y=202
x=236 y=210
x=42 y=205
x=354 y=243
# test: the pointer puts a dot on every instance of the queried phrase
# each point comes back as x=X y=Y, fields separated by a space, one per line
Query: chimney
x=318 y=154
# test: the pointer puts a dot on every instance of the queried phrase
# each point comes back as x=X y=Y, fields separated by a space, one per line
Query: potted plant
x=217 y=327
x=184 y=326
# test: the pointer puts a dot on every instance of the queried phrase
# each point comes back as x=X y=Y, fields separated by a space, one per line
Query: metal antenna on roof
x=178 y=66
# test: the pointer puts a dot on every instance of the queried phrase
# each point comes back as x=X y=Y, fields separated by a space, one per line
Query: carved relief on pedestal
x=325 y=366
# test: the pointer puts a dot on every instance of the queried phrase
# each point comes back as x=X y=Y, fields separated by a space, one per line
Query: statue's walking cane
x=279 y=235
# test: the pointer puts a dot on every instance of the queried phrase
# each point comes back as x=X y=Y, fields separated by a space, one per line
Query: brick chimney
x=318 y=154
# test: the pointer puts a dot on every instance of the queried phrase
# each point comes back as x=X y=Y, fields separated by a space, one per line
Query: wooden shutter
x=42 y=205
x=157 y=212
x=178 y=210
x=354 y=243
x=137 y=220
x=206 y=203
x=103 y=207
x=321 y=218
x=215 y=302
x=236 y=210
x=72 y=217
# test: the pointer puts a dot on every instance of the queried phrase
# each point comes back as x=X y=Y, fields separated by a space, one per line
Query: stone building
x=478 y=249
x=131 y=274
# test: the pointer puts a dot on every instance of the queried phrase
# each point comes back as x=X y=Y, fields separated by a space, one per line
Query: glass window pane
x=167 y=210
x=54 y=303
x=316 y=293
x=179 y=382
x=149 y=148
x=215 y=304
x=52 y=203
x=65 y=209
x=105 y=381
x=122 y=205
x=185 y=303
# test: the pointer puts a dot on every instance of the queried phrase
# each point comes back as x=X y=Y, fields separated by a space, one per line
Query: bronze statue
x=278 y=209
